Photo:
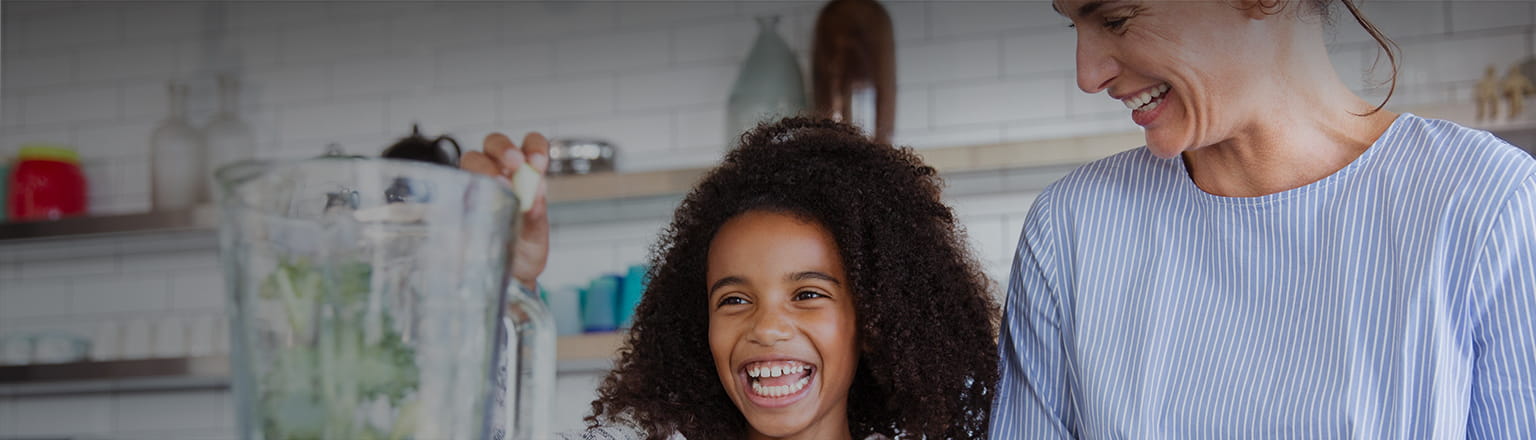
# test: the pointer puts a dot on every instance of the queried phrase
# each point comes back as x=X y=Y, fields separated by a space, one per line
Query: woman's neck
x=1285 y=156
x=1309 y=129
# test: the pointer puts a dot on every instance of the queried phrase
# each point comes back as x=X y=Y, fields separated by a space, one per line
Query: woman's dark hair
x=1324 y=9
x=927 y=322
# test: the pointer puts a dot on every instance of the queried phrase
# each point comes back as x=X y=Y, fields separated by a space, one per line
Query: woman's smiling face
x=1193 y=72
x=782 y=324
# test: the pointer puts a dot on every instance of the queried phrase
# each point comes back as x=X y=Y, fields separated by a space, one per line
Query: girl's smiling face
x=782 y=327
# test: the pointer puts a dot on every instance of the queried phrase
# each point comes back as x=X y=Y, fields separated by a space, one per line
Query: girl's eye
x=807 y=295
x=731 y=300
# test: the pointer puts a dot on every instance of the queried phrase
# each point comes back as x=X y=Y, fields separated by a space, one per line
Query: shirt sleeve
x=1503 y=401
x=1032 y=396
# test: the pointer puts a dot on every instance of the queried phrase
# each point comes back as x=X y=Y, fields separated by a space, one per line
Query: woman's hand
x=502 y=159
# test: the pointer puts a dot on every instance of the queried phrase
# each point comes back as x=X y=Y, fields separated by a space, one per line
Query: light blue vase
x=770 y=85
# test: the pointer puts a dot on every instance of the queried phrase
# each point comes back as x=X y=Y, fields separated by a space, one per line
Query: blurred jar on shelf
x=47 y=184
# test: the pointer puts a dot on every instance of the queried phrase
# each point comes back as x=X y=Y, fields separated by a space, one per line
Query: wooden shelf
x=594 y=346
x=1465 y=113
x=201 y=218
x=575 y=354
x=572 y=191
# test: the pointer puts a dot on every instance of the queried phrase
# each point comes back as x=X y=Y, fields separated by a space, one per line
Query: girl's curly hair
x=926 y=319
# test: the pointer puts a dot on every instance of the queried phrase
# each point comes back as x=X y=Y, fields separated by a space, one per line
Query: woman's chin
x=1164 y=149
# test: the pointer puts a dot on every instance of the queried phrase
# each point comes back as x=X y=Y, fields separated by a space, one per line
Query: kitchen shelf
x=1465 y=113
x=575 y=354
x=579 y=192
x=199 y=218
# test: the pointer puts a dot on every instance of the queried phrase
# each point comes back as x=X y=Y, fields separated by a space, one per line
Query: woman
x=1281 y=260
x=813 y=286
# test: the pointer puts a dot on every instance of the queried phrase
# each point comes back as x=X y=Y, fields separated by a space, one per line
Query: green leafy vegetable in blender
x=357 y=362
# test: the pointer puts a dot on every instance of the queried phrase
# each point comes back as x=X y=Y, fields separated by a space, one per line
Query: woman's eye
x=806 y=294
x=1115 y=24
x=731 y=300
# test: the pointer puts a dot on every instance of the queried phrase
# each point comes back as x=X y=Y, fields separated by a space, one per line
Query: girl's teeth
x=782 y=390
x=775 y=371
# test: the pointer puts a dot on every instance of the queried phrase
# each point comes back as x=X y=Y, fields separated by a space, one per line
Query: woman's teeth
x=782 y=390
x=1145 y=99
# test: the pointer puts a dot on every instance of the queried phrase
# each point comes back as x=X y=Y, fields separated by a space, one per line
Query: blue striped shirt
x=1391 y=299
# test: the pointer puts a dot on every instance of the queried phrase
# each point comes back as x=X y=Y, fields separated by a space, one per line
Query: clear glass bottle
x=176 y=157
x=229 y=138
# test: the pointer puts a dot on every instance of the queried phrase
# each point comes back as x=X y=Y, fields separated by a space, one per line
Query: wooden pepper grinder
x=853 y=66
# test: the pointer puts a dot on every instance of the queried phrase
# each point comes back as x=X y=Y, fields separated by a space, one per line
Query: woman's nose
x=1095 y=67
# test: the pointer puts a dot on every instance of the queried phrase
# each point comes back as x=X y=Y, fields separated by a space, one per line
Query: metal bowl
x=580 y=156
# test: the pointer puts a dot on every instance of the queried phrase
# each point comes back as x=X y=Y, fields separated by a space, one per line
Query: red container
x=46 y=184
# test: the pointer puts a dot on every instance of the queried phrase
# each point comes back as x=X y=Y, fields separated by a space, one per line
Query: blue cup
x=629 y=296
x=565 y=305
x=599 y=303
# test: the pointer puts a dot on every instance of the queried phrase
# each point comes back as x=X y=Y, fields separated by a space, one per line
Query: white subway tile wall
x=1475 y=15
x=10 y=109
x=38 y=70
x=7 y=413
x=1402 y=20
x=1053 y=50
x=999 y=101
x=25 y=299
x=676 y=87
x=653 y=77
x=193 y=410
x=64 y=104
x=462 y=107
x=702 y=129
x=618 y=52
x=957 y=18
x=63 y=416
x=922 y=62
x=574 y=95
x=718 y=40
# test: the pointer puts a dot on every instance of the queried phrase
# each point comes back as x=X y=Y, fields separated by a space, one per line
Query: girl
x=813 y=286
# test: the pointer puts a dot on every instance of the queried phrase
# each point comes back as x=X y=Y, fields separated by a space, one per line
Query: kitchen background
x=653 y=77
